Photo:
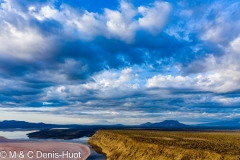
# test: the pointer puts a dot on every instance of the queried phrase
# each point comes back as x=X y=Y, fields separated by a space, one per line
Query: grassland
x=167 y=145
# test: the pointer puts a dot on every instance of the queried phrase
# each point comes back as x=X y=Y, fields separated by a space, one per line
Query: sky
x=119 y=61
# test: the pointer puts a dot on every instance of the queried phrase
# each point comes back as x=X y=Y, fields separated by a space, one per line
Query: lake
x=23 y=135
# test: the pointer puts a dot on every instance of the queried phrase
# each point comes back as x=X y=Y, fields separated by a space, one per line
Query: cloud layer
x=120 y=61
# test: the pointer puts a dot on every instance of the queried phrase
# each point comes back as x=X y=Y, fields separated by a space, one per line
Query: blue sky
x=126 y=61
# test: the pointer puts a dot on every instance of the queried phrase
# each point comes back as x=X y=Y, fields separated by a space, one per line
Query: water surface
x=22 y=135
x=16 y=134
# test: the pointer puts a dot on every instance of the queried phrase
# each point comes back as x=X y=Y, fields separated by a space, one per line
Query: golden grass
x=167 y=145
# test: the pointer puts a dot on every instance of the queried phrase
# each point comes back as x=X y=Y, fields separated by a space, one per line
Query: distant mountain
x=229 y=123
x=166 y=123
x=12 y=124
x=24 y=125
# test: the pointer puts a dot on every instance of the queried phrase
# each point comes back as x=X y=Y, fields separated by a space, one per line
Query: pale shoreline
x=38 y=148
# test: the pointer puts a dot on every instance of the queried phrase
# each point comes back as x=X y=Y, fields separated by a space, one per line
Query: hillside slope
x=155 y=145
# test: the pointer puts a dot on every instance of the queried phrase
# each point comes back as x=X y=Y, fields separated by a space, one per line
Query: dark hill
x=22 y=124
x=166 y=123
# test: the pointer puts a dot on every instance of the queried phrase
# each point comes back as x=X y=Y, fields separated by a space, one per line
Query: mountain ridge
x=165 y=123
x=10 y=124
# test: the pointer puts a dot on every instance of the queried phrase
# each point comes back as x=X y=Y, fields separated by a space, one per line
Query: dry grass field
x=167 y=145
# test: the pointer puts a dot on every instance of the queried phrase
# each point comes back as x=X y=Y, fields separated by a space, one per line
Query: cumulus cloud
x=121 y=24
x=154 y=18
x=26 y=44
x=235 y=45
x=18 y=39
x=213 y=82
x=123 y=59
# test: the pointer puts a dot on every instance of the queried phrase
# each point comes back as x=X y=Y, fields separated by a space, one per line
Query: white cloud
x=216 y=73
x=220 y=27
x=8 y=7
x=88 y=25
x=24 y=43
x=235 y=44
x=107 y=84
x=120 y=24
x=154 y=18
x=114 y=83
x=63 y=92
x=17 y=38
x=226 y=100
x=214 y=82
x=123 y=24
x=126 y=75
x=169 y=81
x=213 y=34
x=47 y=12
